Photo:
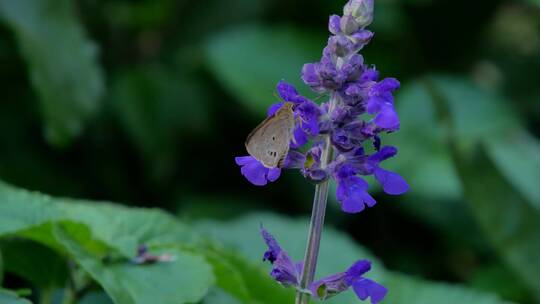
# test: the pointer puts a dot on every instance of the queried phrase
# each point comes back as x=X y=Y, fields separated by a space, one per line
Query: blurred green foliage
x=146 y=103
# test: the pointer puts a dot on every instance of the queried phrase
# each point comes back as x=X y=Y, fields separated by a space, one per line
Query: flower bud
x=334 y=24
x=348 y=24
x=361 y=10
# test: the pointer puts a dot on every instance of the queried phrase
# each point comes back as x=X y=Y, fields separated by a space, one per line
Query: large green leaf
x=337 y=253
x=62 y=63
x=184 y=280
x=250 y=61
x=101 y=237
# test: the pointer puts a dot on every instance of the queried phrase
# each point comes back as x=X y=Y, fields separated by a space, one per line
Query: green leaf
x=25 y=259
x=218 y=296
x=184 y=280
x=517 y=156
x=122 y=228
x=250 y=61
x=404 y=289
x=494 y=157
x=62 y=63
x=126 y=228
x=243 y=280
x=228 y=277
x=337 y=253
x=100 y=237
x=509 y=221
x=21 y=209
x=95 y=298
x=10 y=297
x=422 y=158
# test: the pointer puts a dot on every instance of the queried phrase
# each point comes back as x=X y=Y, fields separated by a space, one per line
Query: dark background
x=179 y=85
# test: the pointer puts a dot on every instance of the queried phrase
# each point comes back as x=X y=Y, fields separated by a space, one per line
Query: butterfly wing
x=269 y=141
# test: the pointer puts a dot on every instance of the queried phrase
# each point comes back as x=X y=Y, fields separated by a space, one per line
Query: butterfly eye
x=273 y=138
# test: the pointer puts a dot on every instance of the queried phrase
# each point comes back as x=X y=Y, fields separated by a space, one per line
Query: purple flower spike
x=284 y=270
x=255 y=172
x=330 y=140
x=353 y=89
x=337 y=283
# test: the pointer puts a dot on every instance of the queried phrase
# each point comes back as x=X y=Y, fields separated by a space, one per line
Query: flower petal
x=285 y=270
x=286 y=91
x=387 y=118
x=255 y=172
x=391 y=182
x=365 y=288
x=242 y=160
x=273 y=174
x=273 y=247
x=357 y=270
x=300 y=138
x=273 y=108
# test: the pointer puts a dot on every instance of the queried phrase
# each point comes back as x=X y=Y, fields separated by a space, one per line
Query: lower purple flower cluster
x=287 y=273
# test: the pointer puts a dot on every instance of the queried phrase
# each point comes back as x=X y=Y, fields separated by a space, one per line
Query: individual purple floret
x=360 y=108
x=363 y=287
x=284 y=270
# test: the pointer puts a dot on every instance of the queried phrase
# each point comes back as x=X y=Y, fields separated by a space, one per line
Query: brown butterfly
x=269 y=141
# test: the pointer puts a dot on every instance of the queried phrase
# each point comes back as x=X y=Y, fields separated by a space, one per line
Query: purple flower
x=337 y=283
x=284 y=270
x=381 y=103
x=255 y=172
x=312 y=166
x=352 y=190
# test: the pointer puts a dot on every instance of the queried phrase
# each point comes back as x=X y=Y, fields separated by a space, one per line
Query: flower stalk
x=316 y=223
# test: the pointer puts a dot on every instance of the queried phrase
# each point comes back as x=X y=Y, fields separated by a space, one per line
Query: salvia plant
x=340 y=140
